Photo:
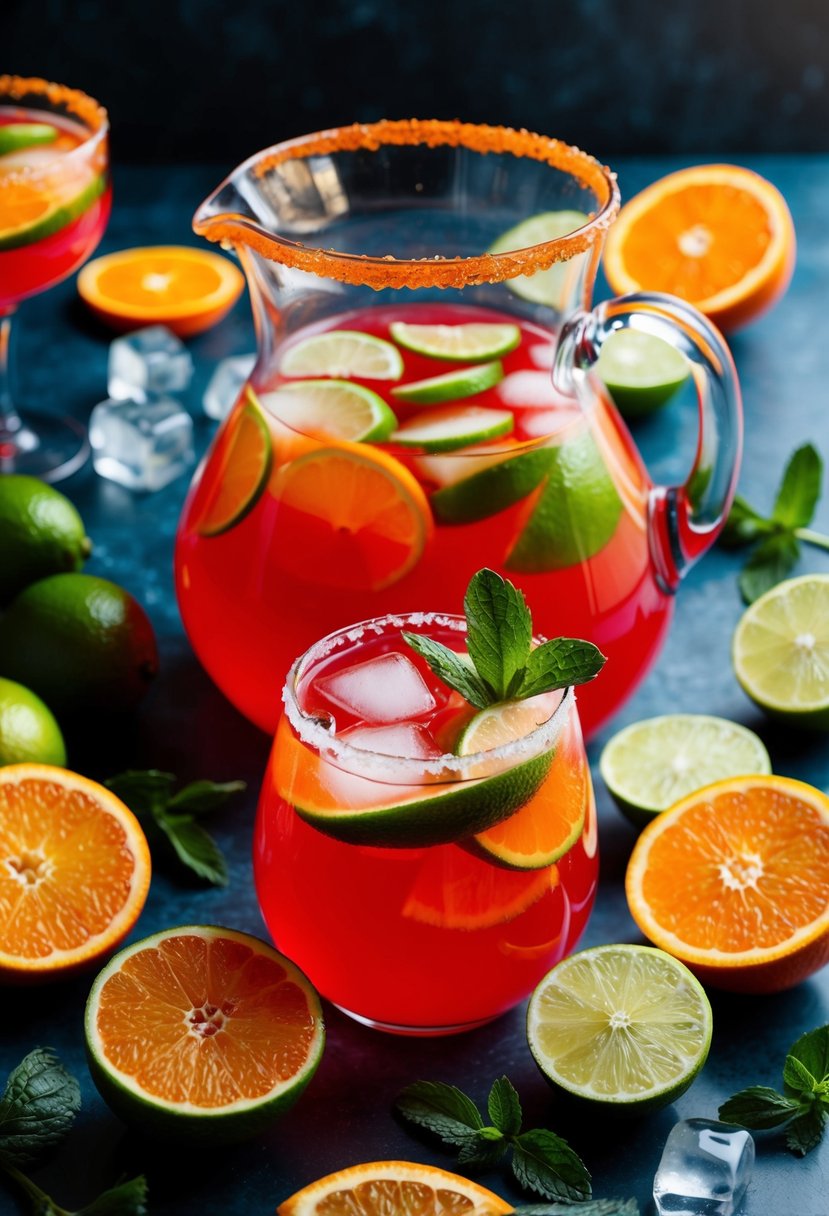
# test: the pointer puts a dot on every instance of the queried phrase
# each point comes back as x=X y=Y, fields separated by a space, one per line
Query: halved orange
x=74 y=871
x=733 y=880
x=188 y=290
x=719 y=236
x=237 y=472
x=202 y=1031
x=404 y=1188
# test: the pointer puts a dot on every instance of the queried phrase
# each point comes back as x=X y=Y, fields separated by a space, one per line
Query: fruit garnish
x=41 y=533
x=504 y=481
x=451 y=386
x=243 y=456
x=468 y=342
x=343 y=353
x=641 y=372
x=16 y=135
x=719 y=236
x=29 y=213
x=734 y=881
x=453 y=427
x=622 y=1026
x=404 y=1188
x=334 y=409
x=550 y=286
x=453 y=890
x=28 y=730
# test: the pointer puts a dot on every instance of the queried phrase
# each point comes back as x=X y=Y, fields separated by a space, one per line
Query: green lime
x=624 y=1026
x=451 y=386
x=545 y=286
x=343 y=353
x=16 y=135
x=40 y=533
x=244 y=453
x=493 y=488
x=78 y=642
x=453 y=427
x=650 y=765
x=470 y=342
x=641 y=372
x=336 y=409
x=53 y=218
x=781 y=651
x=28 y=730
x=504 y=723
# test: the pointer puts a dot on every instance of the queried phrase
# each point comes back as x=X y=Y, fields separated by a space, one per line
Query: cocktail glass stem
x=15 y=437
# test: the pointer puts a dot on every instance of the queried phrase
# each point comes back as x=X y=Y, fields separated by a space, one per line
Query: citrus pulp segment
x=625 y=1026
x=29 y=214
x=343 y=353
x=404 y=1188
x=451 y=386
x=781 y=651
x=641 y=371
x=453 y=427
x=244 y=455
x=734 y=880
x=545 y=286
x=467 y=342
x=650 y=765
x=74 y=872
x=334 y=409
x=202 y=1031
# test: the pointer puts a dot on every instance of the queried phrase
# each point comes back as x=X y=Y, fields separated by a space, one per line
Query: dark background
x=196 y=80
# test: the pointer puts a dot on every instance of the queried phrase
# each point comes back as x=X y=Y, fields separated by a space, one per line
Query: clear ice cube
x=386 y=689
x=409 y=740
x=147 y=363
x=704 y=1170
x=226 y=384
x=142 y=446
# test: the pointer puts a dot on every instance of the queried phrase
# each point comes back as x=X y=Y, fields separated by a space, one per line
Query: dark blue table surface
x=186 y=727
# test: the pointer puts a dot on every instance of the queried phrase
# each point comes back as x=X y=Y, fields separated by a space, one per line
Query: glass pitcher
x=423 y=405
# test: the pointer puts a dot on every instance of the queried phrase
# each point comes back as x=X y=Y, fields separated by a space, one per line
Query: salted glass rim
x=74 y=103
x=409 y=770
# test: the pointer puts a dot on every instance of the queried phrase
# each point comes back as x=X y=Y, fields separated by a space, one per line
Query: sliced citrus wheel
x=239 y=469
x=360 y=513
x=202 y=1031
x=15 y=135
x=642 y=372
x=453 y=427
x=719 y=236
x=74 y=871
x=343 y=353
x=650 y=765
x=734 y=880
x=333 y=409
x=625 y=1026
x=455 y=890
x=29 y=213
x=451 y=386
x=545 y=286
x=499 y=484
x=394 y=1188
x=188 y=290
x=781 y=651
x=469 y=342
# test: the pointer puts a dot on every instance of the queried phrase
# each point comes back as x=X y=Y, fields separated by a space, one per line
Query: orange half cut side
x=404 y=1188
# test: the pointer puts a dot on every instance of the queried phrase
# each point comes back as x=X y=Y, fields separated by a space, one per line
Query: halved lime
x=650 y=765
x=493 y=488
x=470 y=342
x=781 y=651
x=625 y=1026
x=453 y=427
x=337 y=409
x=241 y=467
x=51 y=216
x=343 y=353
x=545 y=286
x=452 y=386
x=15 y=135
x=641 y=372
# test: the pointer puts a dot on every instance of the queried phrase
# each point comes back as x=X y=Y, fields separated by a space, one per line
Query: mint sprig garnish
x=776 y=539
x=502 y=663
x=802 y=1109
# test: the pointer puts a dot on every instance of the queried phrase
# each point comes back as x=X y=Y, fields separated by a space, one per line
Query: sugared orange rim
x=91 y=114
x=482 y=1202
x=378 y=272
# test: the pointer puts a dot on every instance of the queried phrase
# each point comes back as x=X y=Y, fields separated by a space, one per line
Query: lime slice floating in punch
x=470 y=342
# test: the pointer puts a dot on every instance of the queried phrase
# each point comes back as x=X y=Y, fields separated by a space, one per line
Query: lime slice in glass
x=781 y=651
x=46 y=216
x=16 y=135
x=452 y=386
x=641 y=372
x=623 y=1026
x=650 y=765
x=545 y=286
x=336 y=409
x=471 y=342
x=491 y=488
x=343 y=353
x=244 y=454
x=453 y=427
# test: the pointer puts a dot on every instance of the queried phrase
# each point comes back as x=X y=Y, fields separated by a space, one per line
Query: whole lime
x=28 y=730
x=79 y=642
x=41 y=533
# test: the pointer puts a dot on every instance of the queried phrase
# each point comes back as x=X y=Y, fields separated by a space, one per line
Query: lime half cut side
x=650 y=765
x=343 y=353
x=545 y=286
x=625 y=1026
x=336 y=409
x=641 y=371
x=470 y=342
x=781 y=651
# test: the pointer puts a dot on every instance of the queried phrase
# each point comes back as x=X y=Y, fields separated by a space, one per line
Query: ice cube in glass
x=409 y=740
x=386 y=689
x=704 y=1170
x=226 y=384
x=143 y=446
x=147 y=363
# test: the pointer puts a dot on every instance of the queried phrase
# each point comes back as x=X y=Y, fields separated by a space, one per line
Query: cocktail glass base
x=43 y=445
x=417 y=1032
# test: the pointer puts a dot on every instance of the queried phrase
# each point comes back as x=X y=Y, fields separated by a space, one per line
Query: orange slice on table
x=404 y=1188
x=719 y=236
x=237 y=472
x=74 y=871
x=733 y=880
x=188 y=290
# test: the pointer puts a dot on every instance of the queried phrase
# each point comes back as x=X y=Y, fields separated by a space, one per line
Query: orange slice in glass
x=238 y=471
x=455 y=890
x=74 y=871
x=719 y=236
x=188 y=290
x=733 y=880
x=402 y=1187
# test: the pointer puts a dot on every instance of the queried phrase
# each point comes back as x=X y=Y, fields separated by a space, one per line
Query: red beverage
x=430 y=937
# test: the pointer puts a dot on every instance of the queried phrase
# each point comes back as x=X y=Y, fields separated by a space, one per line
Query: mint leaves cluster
x=37 y=1110
x=802 y=1109
x=502 y=663
x=776 y=539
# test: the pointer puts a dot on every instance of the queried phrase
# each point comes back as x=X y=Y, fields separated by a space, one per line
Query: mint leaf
x=806 y=1131
x=195 y=848
x=144 y=791
x=37 y=1108
x=812 y=1051
x=759 y=1108
x=499 y=629
x=504 y=1107
x=560 y=663
x=743 y=526
x=450 y=667
x=797 y=1078
x=203 y=797
x=546 y=1164
x=126 y=1199
x=442 y=1109
x=800 y=488
x=481 y=1152
x=771 y=562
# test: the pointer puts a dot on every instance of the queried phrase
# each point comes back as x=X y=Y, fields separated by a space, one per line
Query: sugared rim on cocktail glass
x=389 y=271
x=402 y=770
x=27 y=90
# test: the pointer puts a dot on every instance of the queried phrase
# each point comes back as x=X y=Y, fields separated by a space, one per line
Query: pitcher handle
x=683 y=520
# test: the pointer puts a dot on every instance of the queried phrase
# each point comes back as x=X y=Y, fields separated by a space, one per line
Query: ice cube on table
x=147 y=363
x=143 y=446
x=386 y=689
x=226 y=384
x=704 y=1170
x=408 y=740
